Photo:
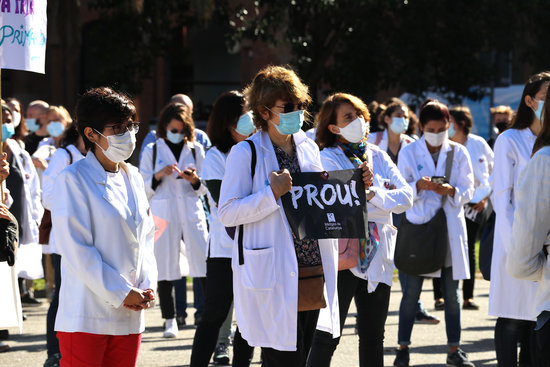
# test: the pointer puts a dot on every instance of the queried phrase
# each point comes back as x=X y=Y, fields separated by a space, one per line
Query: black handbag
x=9 y=240
x=422 y=248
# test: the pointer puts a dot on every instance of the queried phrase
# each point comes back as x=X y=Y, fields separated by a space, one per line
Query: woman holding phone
x=171 y=169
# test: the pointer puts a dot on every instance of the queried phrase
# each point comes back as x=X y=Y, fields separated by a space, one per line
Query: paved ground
x=428 y=349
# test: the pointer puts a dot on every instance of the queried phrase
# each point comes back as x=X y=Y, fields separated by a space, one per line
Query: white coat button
x=293 y=274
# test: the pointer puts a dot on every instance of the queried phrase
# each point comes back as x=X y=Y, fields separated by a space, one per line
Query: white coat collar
x=99 y=176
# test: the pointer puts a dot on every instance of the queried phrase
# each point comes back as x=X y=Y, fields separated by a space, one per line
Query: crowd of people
x=112 y=238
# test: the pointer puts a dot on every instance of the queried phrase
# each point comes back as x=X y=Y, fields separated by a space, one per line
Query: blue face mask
x=290 y=123
x=538 y=112
x=55 y=128
x=245 y=125
x=7 y=131
x=451 y=132
x=32 y=125
x=399 y=125
x=174 y=138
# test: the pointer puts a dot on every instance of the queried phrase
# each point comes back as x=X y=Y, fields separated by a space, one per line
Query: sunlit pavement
x=428 y=348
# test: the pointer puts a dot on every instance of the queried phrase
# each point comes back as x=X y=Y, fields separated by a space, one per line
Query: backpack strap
x=154 y=156
x=241 y=228
x=194 y=153
x=448 y=167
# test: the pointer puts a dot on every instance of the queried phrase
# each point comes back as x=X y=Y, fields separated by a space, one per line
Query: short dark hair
x=180 y=112
x=463 y=117
x=101 y=106
x=224 y=116
x=432 y=109
x=525 y=115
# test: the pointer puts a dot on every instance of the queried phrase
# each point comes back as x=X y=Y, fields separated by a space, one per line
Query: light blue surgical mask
x=290 y=123
x=174 y=138
x=7 y=131
x=399 y=125
x=245 y=125
x=32 y=125
x=55 y=128
x=538 y=112
x=451 y=132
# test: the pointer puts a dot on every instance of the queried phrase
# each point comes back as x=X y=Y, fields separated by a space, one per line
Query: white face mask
x=355 y=131
x=16 y=118
x=435 y=139
x=120 y=147
x=399 y=125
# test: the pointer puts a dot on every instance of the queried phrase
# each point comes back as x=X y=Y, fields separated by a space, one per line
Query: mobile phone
x=440 y=180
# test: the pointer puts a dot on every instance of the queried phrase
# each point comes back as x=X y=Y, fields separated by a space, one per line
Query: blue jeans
x=409 y=304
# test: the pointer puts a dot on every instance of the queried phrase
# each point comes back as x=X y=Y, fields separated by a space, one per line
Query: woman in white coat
x=229 y=123
x=511 y=299
x=171 y=168
x=265 y=279
x=24 y=187
x=418 y=162
x=482 y=157
x=342 y=124
x=71 y=150
x=528 y=254
x=104 y=233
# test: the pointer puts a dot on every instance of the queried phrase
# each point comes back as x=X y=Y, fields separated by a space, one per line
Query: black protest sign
x=327 y=204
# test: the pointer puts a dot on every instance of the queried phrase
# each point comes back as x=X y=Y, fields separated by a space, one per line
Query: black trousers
x=542 y=340
x=510 y=332
x=307 y=322
x=217 y=303
x=467 y=284
x=52 y=343
x=372 y=311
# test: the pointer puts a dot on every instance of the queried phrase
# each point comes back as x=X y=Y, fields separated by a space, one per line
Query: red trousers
x=96 y=350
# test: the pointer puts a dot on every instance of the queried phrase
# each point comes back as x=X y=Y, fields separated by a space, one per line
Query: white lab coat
x=265 y=287
x=178 y=212
x=104 y=251
x=383 y=143
x=220 y=244
x=482 y=158
x=29 y=256
x=531 y=230
x=415 y=161
x=46 y=149
x=58 y=161
x=512 y=153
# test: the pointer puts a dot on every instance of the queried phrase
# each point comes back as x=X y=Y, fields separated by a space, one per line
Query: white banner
x=23 y=27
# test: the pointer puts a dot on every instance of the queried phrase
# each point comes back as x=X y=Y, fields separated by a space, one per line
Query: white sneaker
x=171 y=328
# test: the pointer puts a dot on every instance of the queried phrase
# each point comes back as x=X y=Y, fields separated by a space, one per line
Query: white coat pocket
x=389 y=233
x=258 y=271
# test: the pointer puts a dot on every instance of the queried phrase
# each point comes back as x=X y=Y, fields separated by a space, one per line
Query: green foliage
x=362 y=46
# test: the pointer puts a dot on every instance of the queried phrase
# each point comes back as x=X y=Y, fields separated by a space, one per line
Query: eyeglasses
x=120 y=129
x=290 y=107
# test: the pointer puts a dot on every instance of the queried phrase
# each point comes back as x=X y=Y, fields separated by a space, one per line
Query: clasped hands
x=425 y=183
x=139 y=299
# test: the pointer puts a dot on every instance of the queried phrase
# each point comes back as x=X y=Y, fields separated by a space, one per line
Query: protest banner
x=23 y=30
x=327 y=204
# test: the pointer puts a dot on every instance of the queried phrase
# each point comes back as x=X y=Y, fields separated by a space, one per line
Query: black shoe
x=181 y=321
x=439 y=304
x=423 y=317
x=4 y=347
x=53 y=360
x=221 y=355
x=402 y=358
x=459 y=359
x=4 y=334
x=470 y=305
x=28 y=300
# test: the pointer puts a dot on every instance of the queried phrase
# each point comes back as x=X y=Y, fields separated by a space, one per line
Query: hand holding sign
x=367 y=174
x=281 y=183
